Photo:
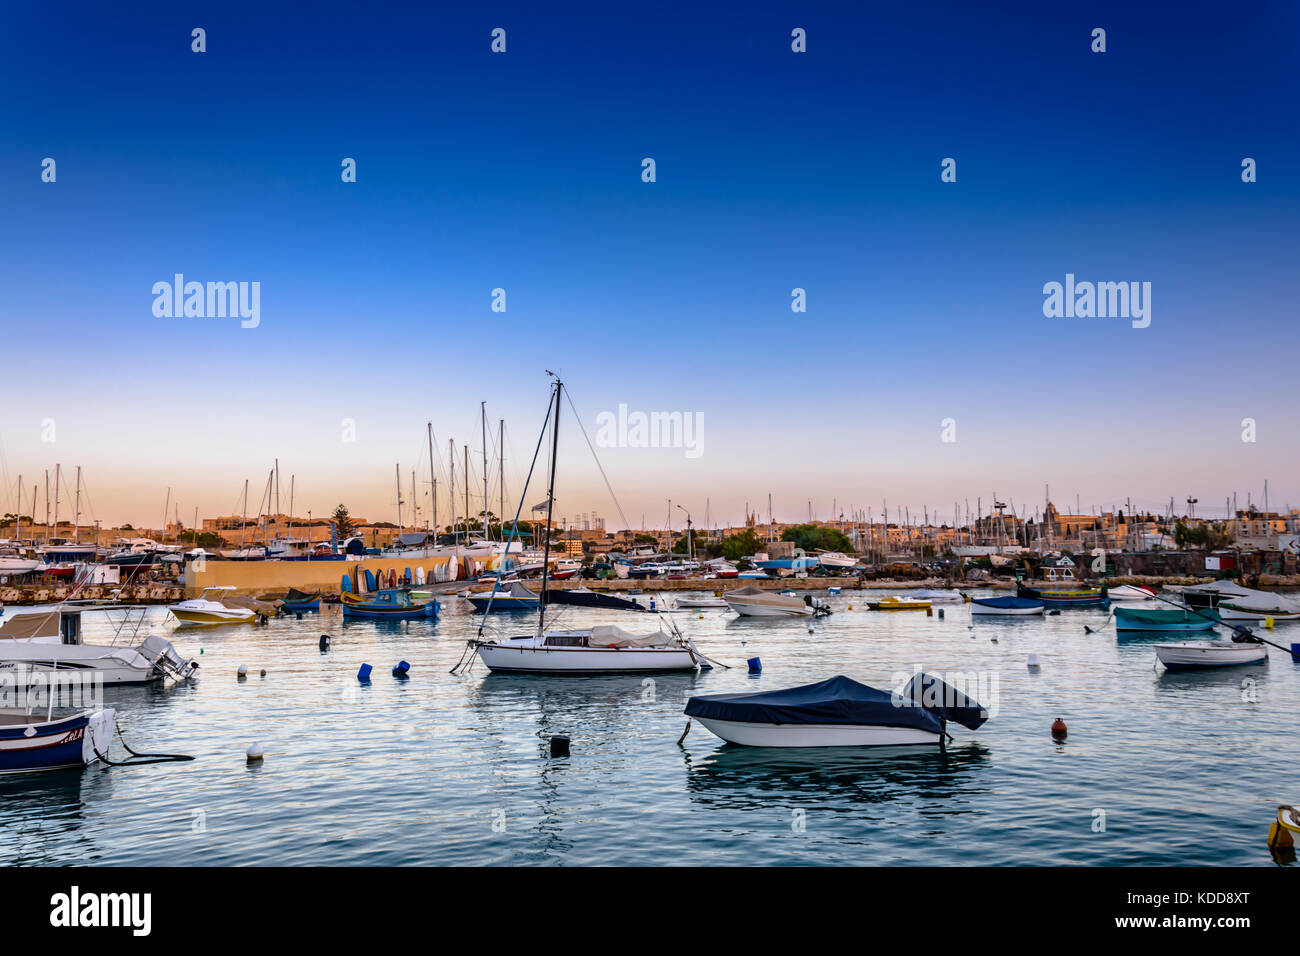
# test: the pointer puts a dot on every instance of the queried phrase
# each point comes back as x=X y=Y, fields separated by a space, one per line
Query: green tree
x=697 y=539
x=343 y=523
x=812 y=538
x=737 y=546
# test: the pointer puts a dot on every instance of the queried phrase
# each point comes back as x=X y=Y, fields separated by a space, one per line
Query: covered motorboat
x=1018 y=606
x=50 y=639
x=515 y=598
x=1212 y=592
x=1258 y=606
x=939 y=595
x=755 y=602
x=839 y=712
x=1176 y=620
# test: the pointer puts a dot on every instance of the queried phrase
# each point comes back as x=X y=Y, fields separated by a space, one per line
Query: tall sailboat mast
x=550 y=505
x=397 y=473
x=501 y=477
x=482 y=408
x=451 y=492
x=76 y=514
x=433 y=477
x=58 y=480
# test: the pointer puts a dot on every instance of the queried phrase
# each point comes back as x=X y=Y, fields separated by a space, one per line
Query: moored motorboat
x=756 y=602
x=1259 y=607
x=1175 y=620
x=1007 y=605
x=940 y=595
x=202 y=611
x=517 y=597
x=49 y=639
x=703 y=603
x=897 y=603
x=1194 y=655
x=839 y=712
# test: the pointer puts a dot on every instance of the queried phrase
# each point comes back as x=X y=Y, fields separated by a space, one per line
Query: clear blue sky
x=775 y=170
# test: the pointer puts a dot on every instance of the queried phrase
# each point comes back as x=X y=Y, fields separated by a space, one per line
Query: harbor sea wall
x=268 y=577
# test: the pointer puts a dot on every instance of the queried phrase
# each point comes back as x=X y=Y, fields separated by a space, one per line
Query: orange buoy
x=1058 y=729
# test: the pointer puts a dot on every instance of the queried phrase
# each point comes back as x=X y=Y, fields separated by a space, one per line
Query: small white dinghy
x=1194 y=655
x=838 y=712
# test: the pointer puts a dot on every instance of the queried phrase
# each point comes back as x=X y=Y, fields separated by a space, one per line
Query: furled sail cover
x=839 y=700
x=945 y=701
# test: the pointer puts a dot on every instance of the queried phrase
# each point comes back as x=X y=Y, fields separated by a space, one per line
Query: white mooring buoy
x=255 y=752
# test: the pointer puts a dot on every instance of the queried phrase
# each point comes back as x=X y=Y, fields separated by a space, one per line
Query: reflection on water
x=839 y=777
x=446 y=768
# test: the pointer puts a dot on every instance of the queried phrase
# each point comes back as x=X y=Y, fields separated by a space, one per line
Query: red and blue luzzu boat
x=1066 y=597
x=29 y=743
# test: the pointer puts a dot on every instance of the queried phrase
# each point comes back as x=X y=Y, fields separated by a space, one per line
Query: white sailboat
x=602 y=649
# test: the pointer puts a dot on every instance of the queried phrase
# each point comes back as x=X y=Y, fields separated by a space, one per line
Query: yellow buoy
x=1280 y=832
x=1268 y=624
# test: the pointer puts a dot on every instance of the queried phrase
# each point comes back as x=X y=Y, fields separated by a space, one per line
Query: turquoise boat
x=391 y=604
x=1164 y=620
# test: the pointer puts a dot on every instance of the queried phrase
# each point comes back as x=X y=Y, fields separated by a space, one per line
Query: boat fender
x=1059 y=730
x=941 y=614
x=241 y=673
x=255 y=753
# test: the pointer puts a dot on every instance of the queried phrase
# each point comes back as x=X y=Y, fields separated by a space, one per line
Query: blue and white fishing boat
x=42 y=742
x=391 y=604
x=1007 y=605
x=839 y=712
x=298 y=601
x=802 y=563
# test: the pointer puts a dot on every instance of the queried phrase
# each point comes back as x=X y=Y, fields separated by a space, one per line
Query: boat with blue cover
x=515 y=598
x=839 y=712
x=1007 y=605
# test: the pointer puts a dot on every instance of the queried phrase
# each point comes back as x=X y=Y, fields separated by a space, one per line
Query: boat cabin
x=48 y=625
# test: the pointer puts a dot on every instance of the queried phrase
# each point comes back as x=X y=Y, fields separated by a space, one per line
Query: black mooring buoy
x=559 y=746
x=324 y=642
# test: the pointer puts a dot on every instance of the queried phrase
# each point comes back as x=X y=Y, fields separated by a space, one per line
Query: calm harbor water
x=437 y=769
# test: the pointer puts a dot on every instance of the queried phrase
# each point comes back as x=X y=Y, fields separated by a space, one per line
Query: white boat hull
x=767 y=610
x=1126 y=592
x=749 y=734
x=1252 y=614
x=207 y=616
x=525 y=656
x=1004 y=611
x=18 y=565
x=1198 y=654
x=113 y=665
